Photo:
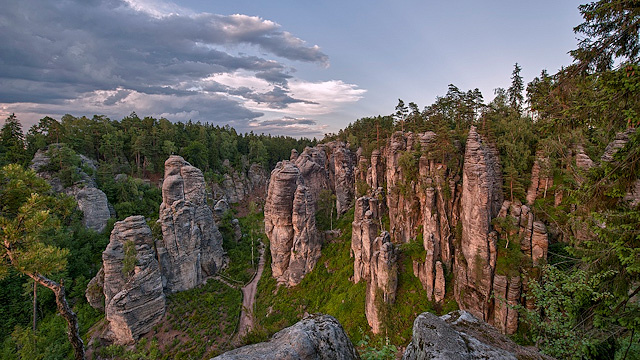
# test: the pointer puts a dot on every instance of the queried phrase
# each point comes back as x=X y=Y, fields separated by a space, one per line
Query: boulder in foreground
x=316 y=336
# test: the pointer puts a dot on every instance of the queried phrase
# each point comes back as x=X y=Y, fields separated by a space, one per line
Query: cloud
x=156 y=58
x=287 y=125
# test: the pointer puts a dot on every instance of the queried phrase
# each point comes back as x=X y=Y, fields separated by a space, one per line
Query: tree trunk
x=35 y=302
x=65 y=310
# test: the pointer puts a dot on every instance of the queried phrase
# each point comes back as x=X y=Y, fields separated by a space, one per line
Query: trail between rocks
x=247 y=320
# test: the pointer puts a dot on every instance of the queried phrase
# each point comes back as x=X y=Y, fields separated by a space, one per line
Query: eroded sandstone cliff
x=290 y=208
x=91 y=201
x=132 y=281
x=138 y=270
x=191 y=246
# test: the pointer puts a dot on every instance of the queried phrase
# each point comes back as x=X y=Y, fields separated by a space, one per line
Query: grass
x=328 y=289
x=199 y=324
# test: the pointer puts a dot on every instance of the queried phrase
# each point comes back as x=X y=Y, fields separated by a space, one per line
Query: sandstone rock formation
x=237 y=185
x=290 y=225
x=541 y=178
x=91 y=200
x=318 y=337
x=375 y=260
x=583 y=161
x=458 y=335
x=294 y=188
x=191 y=246
x=621 y=139
x=136 y=272
x=341 y=175
x=480 y=203
x=134 y=298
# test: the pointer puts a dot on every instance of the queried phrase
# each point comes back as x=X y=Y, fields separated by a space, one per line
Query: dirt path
x=249 y=299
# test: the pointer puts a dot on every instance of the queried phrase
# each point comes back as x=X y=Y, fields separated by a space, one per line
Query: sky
x=285 y=67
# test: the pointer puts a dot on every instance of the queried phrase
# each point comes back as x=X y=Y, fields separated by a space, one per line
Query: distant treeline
x=141 y=145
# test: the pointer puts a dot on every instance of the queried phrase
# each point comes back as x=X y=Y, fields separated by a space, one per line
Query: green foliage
x=243 y=254
x=611 y=29
x=12 y=142
x=130 y=260
x=562 y=318
x=128 y=195
x=382 y=350
x=325 y=210
x=65 y=164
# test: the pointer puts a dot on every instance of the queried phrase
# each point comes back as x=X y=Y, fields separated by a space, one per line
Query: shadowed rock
x=460 y=336
x=191 y=246
x=316 y=337
x=134 y=299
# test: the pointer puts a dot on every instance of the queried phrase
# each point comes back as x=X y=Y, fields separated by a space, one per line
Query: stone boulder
x=132 y=283
x=191 y=246
x=460 y=336
x=316 y=337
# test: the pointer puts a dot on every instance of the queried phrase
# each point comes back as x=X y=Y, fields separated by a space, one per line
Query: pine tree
x=27 y=224
x=515 y=90
x=12 y=145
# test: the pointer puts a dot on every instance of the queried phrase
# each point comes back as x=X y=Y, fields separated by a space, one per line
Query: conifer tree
x=12 y=146
x=28 y=222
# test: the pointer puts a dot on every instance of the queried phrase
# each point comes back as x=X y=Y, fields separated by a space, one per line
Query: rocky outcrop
x=132 y=282
x=402 y=181
x=480 y=203
x=290 y=225
x=621 y=139
x=294 y=188
x=91 y=201
x=191 y=246
x=236 y=186
x=375 y=260
x=506 y=292
x=541 y=178
x=383 y=280
x=632 y=197
x=137 y=270
x=583 y=161
x=317 y=337
x=341 y=175
x=459 y=335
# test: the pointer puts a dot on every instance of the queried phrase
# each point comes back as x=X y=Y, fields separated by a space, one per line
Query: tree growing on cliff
x=515 y=90
x=28 y=223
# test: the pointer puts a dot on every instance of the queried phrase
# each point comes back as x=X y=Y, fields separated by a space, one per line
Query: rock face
x=134 y=298
x=290 y=207
x=458 y=335
x=621 y=139
x=317 y=337
x=91 y=200
x=236 y=185
x=290 y=225
x=191 y=246
x=480 y=203
x=541 y=178
x=375 y=260
x=136 y=272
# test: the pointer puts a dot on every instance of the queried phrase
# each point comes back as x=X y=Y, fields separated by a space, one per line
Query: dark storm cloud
x=56 y=51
